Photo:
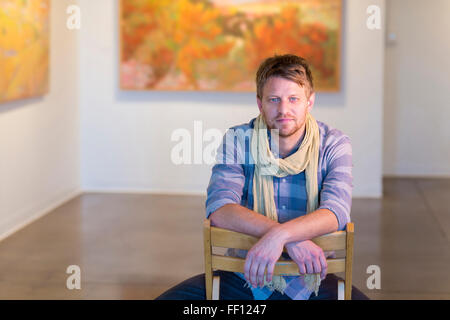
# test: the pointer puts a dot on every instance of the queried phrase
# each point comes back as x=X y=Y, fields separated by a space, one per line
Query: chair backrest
x=218 y=237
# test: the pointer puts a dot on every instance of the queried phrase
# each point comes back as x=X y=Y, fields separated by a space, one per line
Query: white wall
x=417 y=102
x=125 y=136
x=39 y=137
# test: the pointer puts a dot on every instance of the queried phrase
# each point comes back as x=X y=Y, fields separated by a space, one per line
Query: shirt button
x=283 y=180
x=283 y=207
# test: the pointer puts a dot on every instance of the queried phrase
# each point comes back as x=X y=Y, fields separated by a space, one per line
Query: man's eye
x=293 y=99
x=274 y=99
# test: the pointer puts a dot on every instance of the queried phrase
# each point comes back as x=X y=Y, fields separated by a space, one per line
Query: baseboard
x=29 y=217
x=416 y=176
x=146 y=191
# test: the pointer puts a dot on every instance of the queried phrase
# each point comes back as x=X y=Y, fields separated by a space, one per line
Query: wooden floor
x=135 y=246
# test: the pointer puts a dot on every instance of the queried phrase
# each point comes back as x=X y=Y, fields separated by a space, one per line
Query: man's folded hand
x=308 y=256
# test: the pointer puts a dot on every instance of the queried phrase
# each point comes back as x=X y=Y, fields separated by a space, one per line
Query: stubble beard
x=281 y=133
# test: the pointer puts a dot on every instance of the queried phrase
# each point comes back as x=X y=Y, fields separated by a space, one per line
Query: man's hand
x=308 y=256
x=263 y=255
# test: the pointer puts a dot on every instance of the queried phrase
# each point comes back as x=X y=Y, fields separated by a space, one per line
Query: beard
x=284 y=130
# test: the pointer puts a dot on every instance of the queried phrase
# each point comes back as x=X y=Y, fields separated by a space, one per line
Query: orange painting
x=24 y=48
x=219 y=44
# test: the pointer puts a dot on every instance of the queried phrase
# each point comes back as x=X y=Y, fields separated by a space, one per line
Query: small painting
x=24 y=48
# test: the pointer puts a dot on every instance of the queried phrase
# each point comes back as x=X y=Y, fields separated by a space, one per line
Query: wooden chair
x=218 y=237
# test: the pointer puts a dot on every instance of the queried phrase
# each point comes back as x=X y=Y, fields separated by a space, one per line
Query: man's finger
x=253 y=272
x=309 y=267
x=247 y=265
x=324 y=264
x=260 y=273
x=316 y=265
x=302 y=268
x=270 y=268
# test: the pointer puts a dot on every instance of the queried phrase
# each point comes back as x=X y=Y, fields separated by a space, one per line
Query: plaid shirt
x=231 y=182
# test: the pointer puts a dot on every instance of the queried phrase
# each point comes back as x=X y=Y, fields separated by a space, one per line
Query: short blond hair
x=288 y=66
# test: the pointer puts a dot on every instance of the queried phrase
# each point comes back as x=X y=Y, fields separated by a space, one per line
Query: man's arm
x=274 y=236
x=311 y=225
x=240 y=219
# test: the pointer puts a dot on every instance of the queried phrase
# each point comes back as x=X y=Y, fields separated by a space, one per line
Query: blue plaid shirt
x=231 y=182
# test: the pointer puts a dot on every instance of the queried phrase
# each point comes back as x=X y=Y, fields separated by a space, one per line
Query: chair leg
x=341 y=289
x=208 y=284
x=216 y=288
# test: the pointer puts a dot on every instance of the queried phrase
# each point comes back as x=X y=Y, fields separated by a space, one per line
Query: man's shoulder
x=243 y=126
x=227 y=151
x=242 y=132
x=331 y=136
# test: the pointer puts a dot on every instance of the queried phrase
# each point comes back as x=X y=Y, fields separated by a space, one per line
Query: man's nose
x=283 y=106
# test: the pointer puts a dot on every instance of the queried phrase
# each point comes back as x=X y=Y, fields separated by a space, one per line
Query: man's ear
x=311 y=100
x=259 y=102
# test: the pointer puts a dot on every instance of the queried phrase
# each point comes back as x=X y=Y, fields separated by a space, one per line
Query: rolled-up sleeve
x=225 y=186
x=227 y=179
x=336 y=193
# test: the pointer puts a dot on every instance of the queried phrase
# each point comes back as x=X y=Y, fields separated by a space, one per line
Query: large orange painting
x=24 y=48
x=218 y=44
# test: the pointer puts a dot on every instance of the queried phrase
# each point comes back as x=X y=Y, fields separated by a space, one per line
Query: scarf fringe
x=312 y=282
x=278 y=283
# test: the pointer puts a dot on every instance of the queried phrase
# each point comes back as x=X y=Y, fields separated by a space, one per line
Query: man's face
x=284 y=106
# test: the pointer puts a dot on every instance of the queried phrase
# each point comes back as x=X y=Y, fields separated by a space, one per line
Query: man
x=291 y=182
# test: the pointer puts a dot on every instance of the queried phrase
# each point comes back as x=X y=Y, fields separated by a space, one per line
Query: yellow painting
x=219 y=44
x=24 y=48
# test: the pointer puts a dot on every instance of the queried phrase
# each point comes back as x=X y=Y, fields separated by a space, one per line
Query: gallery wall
x=39 y=137
x=126 y=136
x=417 y=101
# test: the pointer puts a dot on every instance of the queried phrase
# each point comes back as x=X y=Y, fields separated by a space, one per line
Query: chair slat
x=230 y=239
x=332 y=241
x=282 y=267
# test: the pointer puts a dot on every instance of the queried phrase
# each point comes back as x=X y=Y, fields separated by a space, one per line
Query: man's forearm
x=311 y=225
x=241 y=219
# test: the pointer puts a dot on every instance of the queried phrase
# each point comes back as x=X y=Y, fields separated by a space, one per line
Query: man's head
x=285 y=93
